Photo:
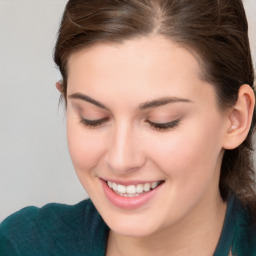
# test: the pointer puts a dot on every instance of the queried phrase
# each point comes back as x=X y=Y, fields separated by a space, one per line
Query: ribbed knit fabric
x=78 y=230
x=238 y=234
x=54 y=230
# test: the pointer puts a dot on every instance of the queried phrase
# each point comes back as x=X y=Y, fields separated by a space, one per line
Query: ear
x=240 y=118
x=59 y=86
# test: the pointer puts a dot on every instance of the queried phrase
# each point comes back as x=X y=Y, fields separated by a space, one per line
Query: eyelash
x=93 y=123
x=163 y=126
x=156 y=126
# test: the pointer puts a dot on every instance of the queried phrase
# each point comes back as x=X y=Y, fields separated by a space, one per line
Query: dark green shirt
x=78 y=230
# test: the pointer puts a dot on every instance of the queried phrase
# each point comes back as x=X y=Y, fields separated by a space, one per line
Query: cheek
x=85 y=147
x=189 y=157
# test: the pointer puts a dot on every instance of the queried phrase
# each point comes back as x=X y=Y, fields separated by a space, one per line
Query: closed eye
x=163 y=126
x=93 y=123
x=157 y=126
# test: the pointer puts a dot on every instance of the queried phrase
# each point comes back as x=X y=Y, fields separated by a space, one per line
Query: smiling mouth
x=133 y=190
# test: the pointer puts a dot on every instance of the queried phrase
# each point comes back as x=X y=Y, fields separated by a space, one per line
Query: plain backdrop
x=35 y=167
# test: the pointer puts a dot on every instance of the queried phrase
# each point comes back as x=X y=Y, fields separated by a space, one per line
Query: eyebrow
x=84 y=97
x=143 y=106
x=162 y=101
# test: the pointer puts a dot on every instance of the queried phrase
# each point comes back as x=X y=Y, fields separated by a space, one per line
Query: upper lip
x=131 y=182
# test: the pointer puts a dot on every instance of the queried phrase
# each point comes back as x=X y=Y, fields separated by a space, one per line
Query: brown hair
x=216 y=30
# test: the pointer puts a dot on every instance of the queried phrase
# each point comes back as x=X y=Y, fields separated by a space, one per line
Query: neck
x=197 y=234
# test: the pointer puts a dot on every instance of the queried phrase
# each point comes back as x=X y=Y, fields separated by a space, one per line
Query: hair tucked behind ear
x=215 y=30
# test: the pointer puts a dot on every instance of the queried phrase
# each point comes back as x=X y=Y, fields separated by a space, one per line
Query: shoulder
x=238 y=232
x=244 y=239
x=63 y=228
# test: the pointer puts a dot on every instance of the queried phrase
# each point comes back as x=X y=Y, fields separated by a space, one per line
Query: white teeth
x=110 y=184
x=132 y=190
x=154 y=185
x=121 y=189
x=146 y=187
x=114 y=186
x=139 y=188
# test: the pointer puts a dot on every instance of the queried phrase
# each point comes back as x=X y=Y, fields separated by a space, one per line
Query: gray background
x=35 y=167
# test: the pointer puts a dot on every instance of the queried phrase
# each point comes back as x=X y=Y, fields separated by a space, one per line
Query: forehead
x=147 y=65
x=141 y=50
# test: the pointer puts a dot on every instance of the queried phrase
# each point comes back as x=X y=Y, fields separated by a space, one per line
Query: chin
x=131 y=226
x=137 y=231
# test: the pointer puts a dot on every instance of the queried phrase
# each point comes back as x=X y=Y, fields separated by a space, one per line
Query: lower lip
x=128 y=202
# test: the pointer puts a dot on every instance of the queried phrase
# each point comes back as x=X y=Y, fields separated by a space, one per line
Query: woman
x=160 y=102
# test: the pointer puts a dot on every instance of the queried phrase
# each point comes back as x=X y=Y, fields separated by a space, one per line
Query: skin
x=187 y=209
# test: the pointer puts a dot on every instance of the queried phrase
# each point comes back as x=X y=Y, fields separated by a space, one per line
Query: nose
x=125 y=154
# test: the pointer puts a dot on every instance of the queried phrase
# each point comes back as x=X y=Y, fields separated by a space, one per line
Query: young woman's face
x=141 y=121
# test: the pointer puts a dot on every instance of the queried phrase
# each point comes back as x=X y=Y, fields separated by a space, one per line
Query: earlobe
x=240 y=118
x=59 y=86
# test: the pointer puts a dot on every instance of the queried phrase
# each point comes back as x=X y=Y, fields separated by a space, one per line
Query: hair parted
x=214 y=30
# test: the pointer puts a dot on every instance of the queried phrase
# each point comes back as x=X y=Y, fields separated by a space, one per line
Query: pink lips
x=128 y=202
